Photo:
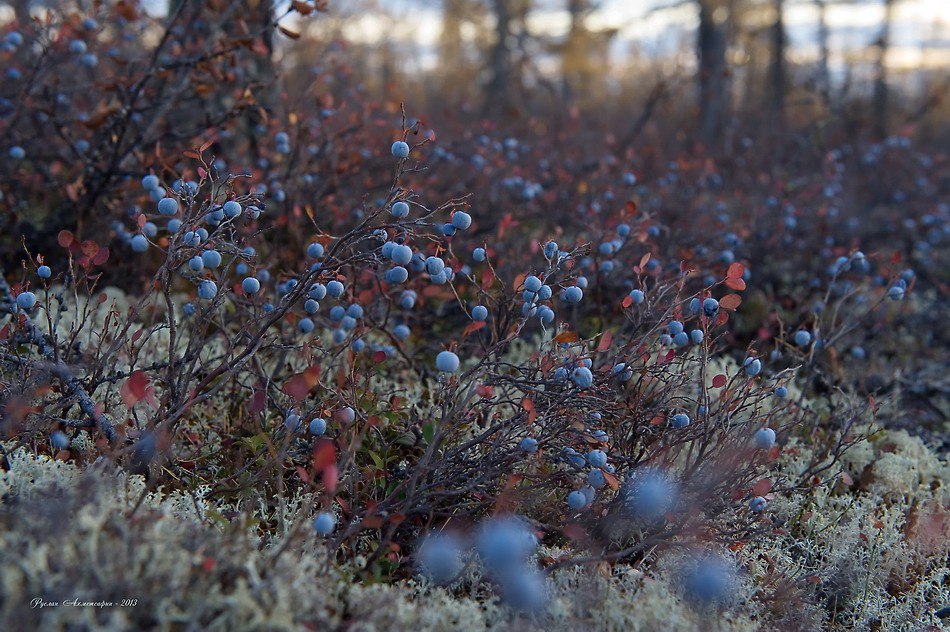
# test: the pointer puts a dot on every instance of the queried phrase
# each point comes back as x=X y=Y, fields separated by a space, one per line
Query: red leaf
x=627 y=302
x=300 y=385
x=65 y=238
x=324 y=454
x=735 y=271
x=331 y=477
x=730 y=301
x=567 y=336
x=719 y=381
x=644 y=260
x=528 y=405
x=379 y=356
x=575 y=532
x=605 y=341
x=135 y=388
x=735 y=283
x=762 y=487
x=473 y=327
x=258 y=401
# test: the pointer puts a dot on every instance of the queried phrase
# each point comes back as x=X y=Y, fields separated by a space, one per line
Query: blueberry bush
x=275 y=364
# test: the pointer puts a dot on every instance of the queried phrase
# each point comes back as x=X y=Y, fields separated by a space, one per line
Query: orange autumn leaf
x=567 y=336
x=730 y=301
x=735 y=284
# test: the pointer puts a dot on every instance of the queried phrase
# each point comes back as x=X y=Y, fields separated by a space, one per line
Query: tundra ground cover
x=326 y=369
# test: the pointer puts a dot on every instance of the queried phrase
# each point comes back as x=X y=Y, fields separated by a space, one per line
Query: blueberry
x=59 y=440
x=305 y=325
x=753 y=366
x=802 y=338
x=402 y=254
x=250 y=285
x=696 y=336
x=192 y=239
x=174 y=225
x=400 y=210
x=211 y=258
x=895 y=293
x=680 y=420
x=44 y=272
x=189 y=309
x=337 y=312
x=318 y=426
x=532 y=284
x=675 y=327
x=637 y=296
x=528 y=444
x=545 y=293
x=764 y=438
x=447 y=362
x=480 y=313
x=681 y=339
x=434 y=265
x=335 y=289
x=315 y=250
x=397 y=275
x=596 y=479
x=168 y=206
x=577 y=500
x=758 y=504
x=597 y=458
x=292 y=422
x=400 y=149
x=317 y=291
x=550 y=249
x=781 y=392
x=479 y=254
x=196 y=264
x=710 y=580
x=572 y=294
x=324 y=523
x=401 y=332
x=649 y=494
x=232 y=209
x=150 y=182
x=582 y=377
x=439 y=559
x=461 y=220
x=710 y=306
x=346 y=415
x=26 y=300
x=207 y=290
x=139 y=243
x=505 y=543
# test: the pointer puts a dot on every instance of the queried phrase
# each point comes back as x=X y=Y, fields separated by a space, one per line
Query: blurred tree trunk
x=21 y=11
x=498 y=97
x=824 y=74
x=503 y=89
x=778 y=70
x=880 y=98
x=711 y=43
x=573 y=48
